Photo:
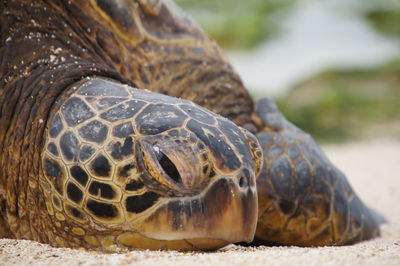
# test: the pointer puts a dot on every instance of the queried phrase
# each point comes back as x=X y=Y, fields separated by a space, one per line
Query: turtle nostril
x=243 y=182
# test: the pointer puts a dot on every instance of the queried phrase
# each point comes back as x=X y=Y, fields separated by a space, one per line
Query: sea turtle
x=123 y=126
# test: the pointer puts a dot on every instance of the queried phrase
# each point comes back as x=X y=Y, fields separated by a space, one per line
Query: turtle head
x=207 y=176
x=161 y=171
x=204 y=167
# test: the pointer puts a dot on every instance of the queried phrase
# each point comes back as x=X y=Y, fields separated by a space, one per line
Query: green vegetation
x=341 y=105
x=384 y=15
x=236 y=23
x=385 y=21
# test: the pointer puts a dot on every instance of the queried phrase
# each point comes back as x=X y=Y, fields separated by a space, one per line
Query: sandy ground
x=373 y=168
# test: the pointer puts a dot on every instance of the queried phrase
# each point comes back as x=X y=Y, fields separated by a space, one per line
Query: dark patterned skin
x=89 y=161
x=303 y=198
x=149 y=167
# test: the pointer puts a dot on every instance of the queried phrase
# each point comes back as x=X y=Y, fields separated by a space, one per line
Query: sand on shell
x=373 y=168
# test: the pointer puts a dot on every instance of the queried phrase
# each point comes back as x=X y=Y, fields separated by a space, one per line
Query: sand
x=373 y=168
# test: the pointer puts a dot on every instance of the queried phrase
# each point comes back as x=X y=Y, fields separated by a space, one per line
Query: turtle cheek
x=224 y=212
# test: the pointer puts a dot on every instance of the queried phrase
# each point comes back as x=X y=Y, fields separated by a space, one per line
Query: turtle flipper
x=303 y=198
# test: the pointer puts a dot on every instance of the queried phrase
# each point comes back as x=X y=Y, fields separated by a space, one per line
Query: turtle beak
x=225 y=213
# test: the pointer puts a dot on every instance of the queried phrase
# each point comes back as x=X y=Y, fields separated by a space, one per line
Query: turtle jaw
x=225 y=213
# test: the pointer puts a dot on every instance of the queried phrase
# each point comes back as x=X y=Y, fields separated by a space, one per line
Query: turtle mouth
x=225 y=213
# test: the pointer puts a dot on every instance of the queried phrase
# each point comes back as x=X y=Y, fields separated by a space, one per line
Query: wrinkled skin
x=51 y=48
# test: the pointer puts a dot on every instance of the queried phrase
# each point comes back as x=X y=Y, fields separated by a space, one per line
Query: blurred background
x=333 y=66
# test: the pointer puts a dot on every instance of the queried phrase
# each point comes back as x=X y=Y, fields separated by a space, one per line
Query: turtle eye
x=167 y=165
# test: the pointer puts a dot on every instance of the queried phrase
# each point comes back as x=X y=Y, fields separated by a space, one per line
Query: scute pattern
x=98 y=88
x=95 y=172
x=94 y=131
x=101 y=167
x=76 y=111
x=120 y=150
x=53 y=149
x=102 y=190
x=69 y=145
x=86 y=152
x=79 y=174
x=123 y=130
x=102 y=210
x=89 y=157
x=56 y=127
x=213 y=138
x=55 y=173
x=140 y=203
x=123 y=111
x=74 y=193
x=157 y=118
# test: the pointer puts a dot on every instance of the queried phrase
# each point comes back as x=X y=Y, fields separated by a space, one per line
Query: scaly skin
x=48 y=46
x=303 y=198
x=130 y=168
